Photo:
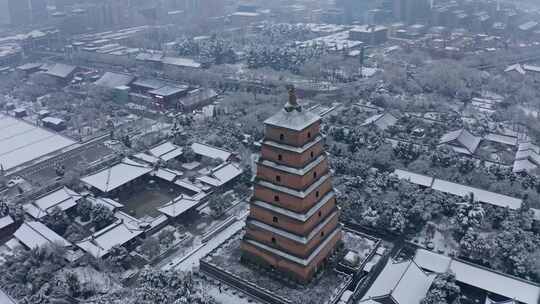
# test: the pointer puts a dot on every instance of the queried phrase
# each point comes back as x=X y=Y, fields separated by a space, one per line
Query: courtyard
x=145 y=199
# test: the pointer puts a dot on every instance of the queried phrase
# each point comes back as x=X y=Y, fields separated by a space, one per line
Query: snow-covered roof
x=527 y=157
x=404 y=281
x=154 y=56
x=245 y=14
x=167 y=174
x=61 y=70
x=210 y=151
x=111 y=178
x=5 y=298
x=523 y=165
x=491 y=301
x=185 y=183
x=503 y=139
x=517 y=68
x=462 y=137
x=117 y=234
x=166 y=151
x=297 y=193
x=302 y=171
x=149 y=83
x=480 y=195
x=528 y=146
x=63 y=198
x=480 y=277
x=291 y=236
x=297 y=216
x=146 y=158
x=293 y=120
x=21 y=142
x=6 y=221
x=106 y=202
x=432 y=261
x=531 y=68
x=415 y=178
x=222 y=174
x=53 y=120
x=529 y=25
x=366 y=28
x=29 y=66
x=294 y=149
x=382 y=121
x=198 y=97
x=179 y=206
x=113 y=80
x=295 y=259
x=35 y=234
x=181 y=62
x=169 y=90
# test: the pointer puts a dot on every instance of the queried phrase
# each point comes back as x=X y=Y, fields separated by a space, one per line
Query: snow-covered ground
x=192 y=261
x=227 y=295
x=188 y=258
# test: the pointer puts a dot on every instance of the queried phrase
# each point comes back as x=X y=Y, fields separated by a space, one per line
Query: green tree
x=102 y=216
x=58 y=221
x=150 y=247
x=166 y=237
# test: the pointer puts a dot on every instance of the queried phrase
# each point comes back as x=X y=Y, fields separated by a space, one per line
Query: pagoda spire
x=292 y=104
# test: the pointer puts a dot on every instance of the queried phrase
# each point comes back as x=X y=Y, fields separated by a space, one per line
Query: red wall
x=293 y=138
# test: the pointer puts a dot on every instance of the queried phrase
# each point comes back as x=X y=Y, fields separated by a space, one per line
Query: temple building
x=293 y=222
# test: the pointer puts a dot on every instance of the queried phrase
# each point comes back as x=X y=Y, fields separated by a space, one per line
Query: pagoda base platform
x=225 y=263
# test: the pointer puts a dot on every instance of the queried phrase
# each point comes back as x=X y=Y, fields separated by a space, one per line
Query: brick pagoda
x=293 y=222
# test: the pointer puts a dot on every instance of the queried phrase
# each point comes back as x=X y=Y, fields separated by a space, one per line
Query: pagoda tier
x=293 y=222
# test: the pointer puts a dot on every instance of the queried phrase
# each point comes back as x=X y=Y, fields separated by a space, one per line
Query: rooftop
x=169 y=90
x=503 y=139
x=463 y=138
x=382 y=121
x=149 y=83
x=179 y=206
x=196 y=97
x=298 y=216
x=111 y=178
x=211 y=151
x=21 y=142
x=166 y=151
x=293 y=120
x=5 y=298
x=61 y=70
x=63 y=198
x=117 y=234
x=113 y=80
x=6 y=221
x=181 y=62
x=53 y=120
x=35 y=234
x=368 y=28
x=479 y=195
x=414 y=178
x=222 y=174
x=480 y=277
x=404 y=281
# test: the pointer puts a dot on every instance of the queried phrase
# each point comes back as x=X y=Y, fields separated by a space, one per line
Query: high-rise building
x=38 y=10
x=293 y=222
x=5 y=17
x=22 y=12
x=411 y=11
